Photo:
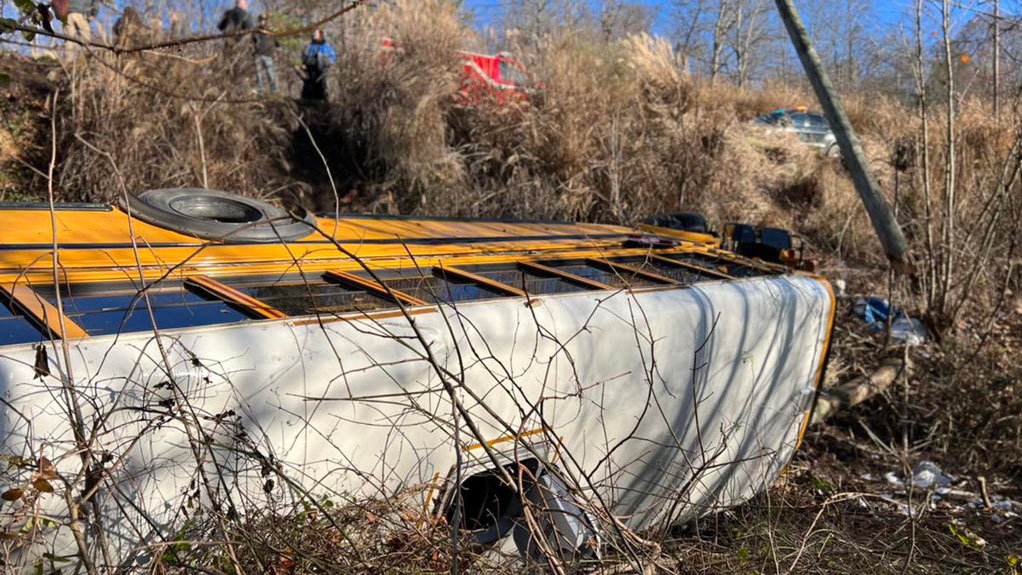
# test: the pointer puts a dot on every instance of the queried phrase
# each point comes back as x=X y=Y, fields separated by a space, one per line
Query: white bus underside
x=668 y=403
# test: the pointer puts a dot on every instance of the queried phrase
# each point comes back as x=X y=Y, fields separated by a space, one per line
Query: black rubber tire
x=215 y=215
x=684 y=221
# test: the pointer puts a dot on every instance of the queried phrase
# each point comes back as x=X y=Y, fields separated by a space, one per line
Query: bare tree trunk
x=948 y=228
x=997 y=56
x=610 y=11
x=850 y=47
x=747 y=37
x=720 y=29
x=922 y=107
x=738 y=46
x=688 y=39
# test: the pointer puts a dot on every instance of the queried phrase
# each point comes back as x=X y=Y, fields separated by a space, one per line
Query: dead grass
x=619 y=131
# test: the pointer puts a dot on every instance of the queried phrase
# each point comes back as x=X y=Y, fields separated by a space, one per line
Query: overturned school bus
x=193 y=350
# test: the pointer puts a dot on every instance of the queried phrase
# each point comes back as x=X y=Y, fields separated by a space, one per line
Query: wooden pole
x=879 y=211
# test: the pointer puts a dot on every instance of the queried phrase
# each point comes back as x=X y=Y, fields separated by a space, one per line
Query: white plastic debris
x=1002 y=504
x=927 y=475
x=876 y=311
x=909 y=330
x=910 y=511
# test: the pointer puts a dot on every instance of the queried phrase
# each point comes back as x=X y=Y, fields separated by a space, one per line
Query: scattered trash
x=893 y=479
x=873 y=309
x=909 y=330
x=875 y=312
x=1002 y=504
x=840 y=287
x=910 y=511
x=927 y=475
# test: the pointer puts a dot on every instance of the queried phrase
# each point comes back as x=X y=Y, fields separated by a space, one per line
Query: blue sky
x=487 y=11
x=883 y=13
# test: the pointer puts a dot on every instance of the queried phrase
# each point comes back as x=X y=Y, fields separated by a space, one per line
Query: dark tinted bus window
x=110 y=314
x=15 y=328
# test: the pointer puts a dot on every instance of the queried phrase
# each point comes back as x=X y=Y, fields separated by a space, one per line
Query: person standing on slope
x=317 y=58
x=80 y=14
x=265 y=44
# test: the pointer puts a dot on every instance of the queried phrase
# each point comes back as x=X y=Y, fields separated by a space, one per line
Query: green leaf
x=28 y=36
x=966 y=537
x=5 y=80
x=7 y=25
x=25 y=6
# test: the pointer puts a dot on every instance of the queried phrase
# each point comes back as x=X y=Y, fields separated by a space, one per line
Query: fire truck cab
x=497 y=76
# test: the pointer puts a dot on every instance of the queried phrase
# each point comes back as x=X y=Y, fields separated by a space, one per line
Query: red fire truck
x=496 y=76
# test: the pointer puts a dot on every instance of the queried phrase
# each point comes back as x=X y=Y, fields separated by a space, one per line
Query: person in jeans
x=80 y=14
x=264 y=46
x=317 y=57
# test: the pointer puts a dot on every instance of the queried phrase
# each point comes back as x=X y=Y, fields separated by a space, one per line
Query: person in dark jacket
x=80 y=14
x=264 y=47
x=318 y=56
x=235 y=20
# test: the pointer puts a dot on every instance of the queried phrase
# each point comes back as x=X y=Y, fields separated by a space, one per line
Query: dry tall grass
x=168 y=119
x=619 y=131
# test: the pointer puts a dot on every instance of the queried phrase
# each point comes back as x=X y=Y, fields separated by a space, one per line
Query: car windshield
x=510 y=73
x=819 y=121
x=800 y=120
x=775 y=118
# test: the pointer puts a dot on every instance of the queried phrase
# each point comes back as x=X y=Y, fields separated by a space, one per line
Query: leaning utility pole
x=880 y=214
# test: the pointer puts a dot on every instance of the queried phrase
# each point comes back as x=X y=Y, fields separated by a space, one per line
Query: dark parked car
x=812 y=128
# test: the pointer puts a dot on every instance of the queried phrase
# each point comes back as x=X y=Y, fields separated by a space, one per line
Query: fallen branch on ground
x=860 y=389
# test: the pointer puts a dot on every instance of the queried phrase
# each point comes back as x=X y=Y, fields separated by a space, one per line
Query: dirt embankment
x=24 y=124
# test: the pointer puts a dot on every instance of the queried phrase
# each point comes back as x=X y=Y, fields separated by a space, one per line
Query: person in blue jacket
x=317 y=58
